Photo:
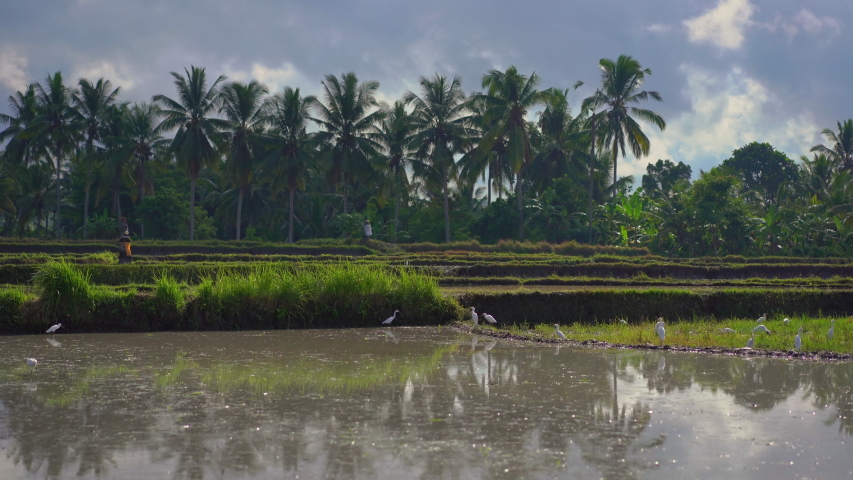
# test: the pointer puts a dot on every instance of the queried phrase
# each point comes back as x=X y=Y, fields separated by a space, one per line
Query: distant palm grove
x=228 y=160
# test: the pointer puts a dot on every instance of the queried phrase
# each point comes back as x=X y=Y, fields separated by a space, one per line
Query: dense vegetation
x=230 y=160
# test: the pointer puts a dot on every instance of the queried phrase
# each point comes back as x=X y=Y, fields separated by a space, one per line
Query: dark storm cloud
x=794 y=49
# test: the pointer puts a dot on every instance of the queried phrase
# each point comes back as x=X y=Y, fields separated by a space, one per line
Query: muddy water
x=409 y=403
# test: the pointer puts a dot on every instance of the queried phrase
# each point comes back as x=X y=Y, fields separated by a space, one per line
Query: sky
x=730 y=71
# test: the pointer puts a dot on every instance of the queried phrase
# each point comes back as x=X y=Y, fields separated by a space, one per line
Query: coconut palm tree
x=290 y=147
x=840 y=149
x=20 y=149
x=55 y=129
x=509 y=96
x=397 y=129
x=441 y=130
x=241 y=106
x=562 y=140
x=621 y=82
x=90 y=108
x=492 y=165
x=350 y=127
x=198 y=133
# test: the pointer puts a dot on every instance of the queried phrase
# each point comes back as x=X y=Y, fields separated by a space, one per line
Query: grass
x=704 y=332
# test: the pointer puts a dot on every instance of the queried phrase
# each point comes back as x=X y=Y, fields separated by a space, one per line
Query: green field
x=216 y=285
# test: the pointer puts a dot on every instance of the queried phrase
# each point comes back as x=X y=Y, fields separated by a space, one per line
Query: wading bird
x=32 y=362
x=489 y=318
x=751 y=341
x=391 y=318
x=762 y=318
x=727 y=330
x=661 y=331
x=475 y=317
x=761 y=328
x=559 y=333
x=831 y=333
x=786 y=320
x=659 y=325
x=623 y=321
x=798 y=340
x=54 y=328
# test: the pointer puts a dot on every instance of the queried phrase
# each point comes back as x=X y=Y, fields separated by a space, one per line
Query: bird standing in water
x=54 y=328
x=798 y=340
x=391 y=318
x=559 y=333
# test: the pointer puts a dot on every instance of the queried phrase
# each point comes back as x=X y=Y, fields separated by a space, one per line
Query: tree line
x=231 y=160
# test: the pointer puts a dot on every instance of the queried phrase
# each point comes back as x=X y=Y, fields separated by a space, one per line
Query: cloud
x=723 y=25
x=119 y=75
x=659 y=28
x=813 y=24
x=275 y=79
x=13 y=68
x=727 y=112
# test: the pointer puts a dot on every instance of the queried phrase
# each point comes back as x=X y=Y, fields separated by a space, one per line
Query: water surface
x=409 y=403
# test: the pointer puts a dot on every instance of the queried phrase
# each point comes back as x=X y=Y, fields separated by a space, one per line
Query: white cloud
x=727 y=112
x=275 y=78
x=117 y=74
x=723 y=25
x=659 y=28
x=13 y=68
x=814 y=24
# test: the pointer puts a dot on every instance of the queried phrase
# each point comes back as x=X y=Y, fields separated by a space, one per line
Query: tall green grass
x=64 y=289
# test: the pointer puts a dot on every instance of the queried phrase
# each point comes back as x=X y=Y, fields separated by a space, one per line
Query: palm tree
x=562 y=137
x=841 y=145
x=620 y=86
x=440 y=119
x=241 y=106
x=491 y=165
x=24 y=106
x=291 y=147
x=397 y=130
x=55 y=128
x=90 y=108
x=197 y=133
x=350 y=127
x=509 y=96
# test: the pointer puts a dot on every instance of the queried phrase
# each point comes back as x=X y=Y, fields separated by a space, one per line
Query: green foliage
x=662 y=176
x=760 y=166
x=169 y=294
x=64 y=289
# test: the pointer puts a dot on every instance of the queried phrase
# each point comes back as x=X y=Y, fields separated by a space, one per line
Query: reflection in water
x=398 y=403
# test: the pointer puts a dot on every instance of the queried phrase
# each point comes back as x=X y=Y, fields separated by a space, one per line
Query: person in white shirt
x=368 y=231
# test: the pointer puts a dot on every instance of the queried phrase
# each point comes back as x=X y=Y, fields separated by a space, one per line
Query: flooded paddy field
x=406 y=402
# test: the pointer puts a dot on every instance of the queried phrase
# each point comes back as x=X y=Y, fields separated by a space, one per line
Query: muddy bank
x=467 y=327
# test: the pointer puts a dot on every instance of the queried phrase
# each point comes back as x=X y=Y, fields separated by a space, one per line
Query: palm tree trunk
x=520 y=206
x=86 y=201
x=397 y=208
x=192 y=207
x=615 y=158
x=346 y=194
x=591 y=171
x=239 y=213
x=446 y=210
x=57 y=219
x=489 y=183
x=290 y=217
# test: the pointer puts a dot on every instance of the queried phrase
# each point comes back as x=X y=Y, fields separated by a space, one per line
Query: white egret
x=32 y=362
x=661 y=332
x=798 y=340
x=475 y=317
x=751 y=342
x=391 y=318
x=659 y=325
x=489 y=318
x=727 y=330
x=54 y=328
x=762 y=318
x=831 y=333
x=786 y=320
x=559 y=333
x=623 y=321
x=761 y=328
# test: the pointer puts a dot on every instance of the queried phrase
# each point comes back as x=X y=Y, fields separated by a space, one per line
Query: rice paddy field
x=528 y=287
